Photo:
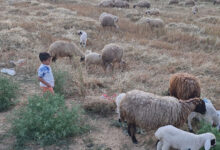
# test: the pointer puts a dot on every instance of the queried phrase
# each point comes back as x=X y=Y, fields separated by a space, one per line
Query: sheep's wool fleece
x=150 y=111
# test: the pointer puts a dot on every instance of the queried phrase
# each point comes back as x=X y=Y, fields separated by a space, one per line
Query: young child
x=45 y=75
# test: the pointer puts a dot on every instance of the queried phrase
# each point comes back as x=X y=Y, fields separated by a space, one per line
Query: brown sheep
x=184 y=86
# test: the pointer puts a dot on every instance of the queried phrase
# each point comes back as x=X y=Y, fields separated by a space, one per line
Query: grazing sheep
x=112 y=53
x=64 y=49
x=211 y=116
x=83 y=38
x=107 y=3
x=93 y=58
x=189 y=3
x=118 y=102
x=121 y=4
x=153 y=12
x=155 y=22
x=195 y=10
x=171 y=2
x=107 y=19
x=149 y=111
x=170 y=136
x=142 y=4
x=216 y=2
x=184 y=86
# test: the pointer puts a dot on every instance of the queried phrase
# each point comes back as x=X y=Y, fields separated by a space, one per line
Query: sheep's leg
x=159 y=145
x=54 y=59
x=190 y=118
x=132 y=131
x=165 y=146
x=129 y=127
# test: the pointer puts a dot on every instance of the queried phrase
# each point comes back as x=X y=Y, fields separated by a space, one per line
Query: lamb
x=184 y=86
x=189 y=3
x=83 y=38
x=171 y=2
x=93 y=58
x=149 y=111
x=107 y=3
x=170 y=136
x=118 y=102
x=153 y=12
x=121 y=4
x=112 y=53
x=142 y=4
x=64 y=49
x=216 y=2
x=195 y=10
x=211 y=116
x=107 y=19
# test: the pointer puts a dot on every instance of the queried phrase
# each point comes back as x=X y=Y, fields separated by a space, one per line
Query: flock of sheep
x=165 y=113
x=147 y=110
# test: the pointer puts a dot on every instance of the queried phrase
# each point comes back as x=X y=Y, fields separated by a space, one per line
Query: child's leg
x=46 y=89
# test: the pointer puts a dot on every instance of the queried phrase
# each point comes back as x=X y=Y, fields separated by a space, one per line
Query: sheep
x=153 y=12
x=112 y=53
x=170 y=136
x=107 y=3
x=64 y=49
x=216 y=2
x=93 y=58
x=121 y=4
x=155 y=23
x=189 y=3
x=195 y=10
x=107 y=19
x=171 y=2
x=149 y=111
x=184 y=86
x=118 y=101
x=142 y=4
x=211 y=116
x=83 y=38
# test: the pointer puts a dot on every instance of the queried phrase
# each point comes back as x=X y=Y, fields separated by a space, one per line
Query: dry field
x=189 y=43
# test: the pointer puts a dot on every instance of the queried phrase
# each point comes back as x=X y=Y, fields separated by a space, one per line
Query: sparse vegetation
x=46 y=120
x=8 y=93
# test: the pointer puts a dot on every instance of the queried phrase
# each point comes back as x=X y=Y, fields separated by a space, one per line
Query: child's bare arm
x=44 y=82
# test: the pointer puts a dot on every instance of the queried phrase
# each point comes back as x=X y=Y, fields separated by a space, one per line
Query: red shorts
x=47 y=89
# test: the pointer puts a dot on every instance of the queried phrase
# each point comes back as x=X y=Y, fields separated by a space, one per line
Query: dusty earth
x=188 y=43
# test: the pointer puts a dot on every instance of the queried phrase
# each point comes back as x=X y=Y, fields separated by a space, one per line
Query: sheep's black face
x=82 y=59
x=80 y=33
x=213 y=142
x=200 y=108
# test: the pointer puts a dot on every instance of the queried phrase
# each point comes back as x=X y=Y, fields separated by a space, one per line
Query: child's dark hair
x=44 y=56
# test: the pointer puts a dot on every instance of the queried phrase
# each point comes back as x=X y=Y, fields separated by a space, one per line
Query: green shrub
x=46 y=119
x=8 y=93
x=62 y=82
x=204 y=128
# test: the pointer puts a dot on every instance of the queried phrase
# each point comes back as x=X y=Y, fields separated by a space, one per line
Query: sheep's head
x=82 y=58
x=115 y=19
x=200 y=106
x=79 y=32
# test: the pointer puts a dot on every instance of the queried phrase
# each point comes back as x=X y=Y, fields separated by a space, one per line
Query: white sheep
x=107 y=3
x=211 y=116
x=142 y=4
x=118 y=101
x=153 y=12
x=170 y=136
x=121 y=4
x=149 y=111
x=107 y=19
x=83 y=38
x=152 y=22
x=93 y=58
x=171 y=2
x=65 y=49
x=190 y=3
x=216 y=2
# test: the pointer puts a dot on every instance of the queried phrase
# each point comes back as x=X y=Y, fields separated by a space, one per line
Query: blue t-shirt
x=45 y=72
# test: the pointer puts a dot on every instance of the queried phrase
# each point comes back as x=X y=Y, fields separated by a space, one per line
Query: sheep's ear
x=207 y=144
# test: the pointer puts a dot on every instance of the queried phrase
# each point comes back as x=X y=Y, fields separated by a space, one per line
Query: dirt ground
x=187 y=43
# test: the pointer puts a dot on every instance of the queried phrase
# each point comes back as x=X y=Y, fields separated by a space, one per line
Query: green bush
x=46 y=119
x=204 y=128
x=8 y=93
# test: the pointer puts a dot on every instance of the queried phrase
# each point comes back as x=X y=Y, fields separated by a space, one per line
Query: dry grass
x=161 y=45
